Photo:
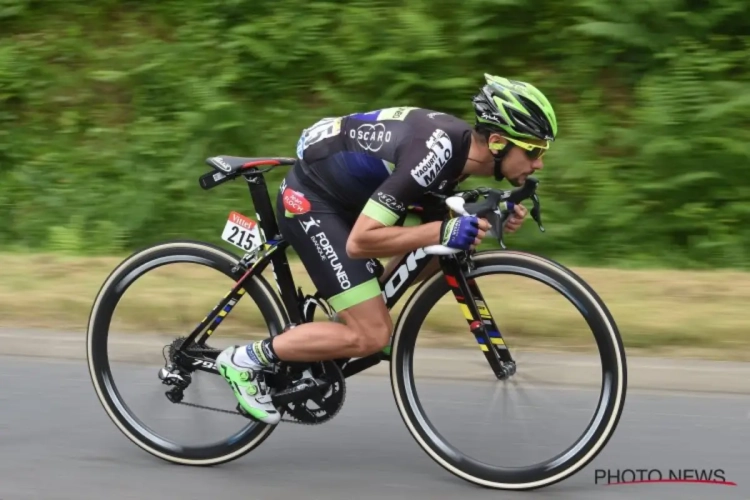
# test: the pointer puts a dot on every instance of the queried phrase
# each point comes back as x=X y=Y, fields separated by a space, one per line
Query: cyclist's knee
x=377 y=333
x=364 y=341
x=369 y=330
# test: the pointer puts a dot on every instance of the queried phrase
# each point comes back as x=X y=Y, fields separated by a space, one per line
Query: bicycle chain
x=235 y=412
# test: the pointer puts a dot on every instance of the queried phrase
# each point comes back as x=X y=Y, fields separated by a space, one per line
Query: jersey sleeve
x=421 y=165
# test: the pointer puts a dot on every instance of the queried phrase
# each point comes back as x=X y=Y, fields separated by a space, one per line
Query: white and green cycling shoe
x=254 y=399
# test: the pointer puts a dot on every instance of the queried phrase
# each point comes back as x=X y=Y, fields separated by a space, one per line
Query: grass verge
x=675 y=313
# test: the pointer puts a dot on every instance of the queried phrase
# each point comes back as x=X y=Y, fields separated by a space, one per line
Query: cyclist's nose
x=537 y=164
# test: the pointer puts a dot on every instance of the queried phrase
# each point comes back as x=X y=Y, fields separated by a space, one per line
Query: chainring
x=308 y=411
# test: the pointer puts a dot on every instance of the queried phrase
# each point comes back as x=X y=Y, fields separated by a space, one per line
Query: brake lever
x=499 y=206
x=504 y=215
x=501 y=227
x=536 y=211
x=502 y=219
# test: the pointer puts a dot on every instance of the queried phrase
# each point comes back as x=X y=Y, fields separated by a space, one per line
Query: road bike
x=313 y=393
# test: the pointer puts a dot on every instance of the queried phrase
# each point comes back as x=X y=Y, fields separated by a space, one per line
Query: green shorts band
x=356 y=295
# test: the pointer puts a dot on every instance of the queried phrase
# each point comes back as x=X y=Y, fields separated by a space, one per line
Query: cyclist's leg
x=367 y=330
x=318 y=233
x=350 y=285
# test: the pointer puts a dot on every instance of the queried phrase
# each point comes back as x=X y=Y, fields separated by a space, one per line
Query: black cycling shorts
x=318 y=229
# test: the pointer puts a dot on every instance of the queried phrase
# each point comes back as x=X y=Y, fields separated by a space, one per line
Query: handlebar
x=497 y=207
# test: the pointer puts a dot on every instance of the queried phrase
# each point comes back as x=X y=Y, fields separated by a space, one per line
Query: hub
x=507 y=370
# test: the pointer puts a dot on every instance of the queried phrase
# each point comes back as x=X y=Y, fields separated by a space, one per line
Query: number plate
x=242 y=232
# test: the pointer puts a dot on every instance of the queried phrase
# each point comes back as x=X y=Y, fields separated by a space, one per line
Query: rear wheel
x=611 y=396
x=252 y=433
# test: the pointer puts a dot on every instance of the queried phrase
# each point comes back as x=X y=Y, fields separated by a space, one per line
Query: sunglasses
x=533 y=148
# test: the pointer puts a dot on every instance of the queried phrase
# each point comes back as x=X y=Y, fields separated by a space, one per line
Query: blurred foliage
x=108 y=110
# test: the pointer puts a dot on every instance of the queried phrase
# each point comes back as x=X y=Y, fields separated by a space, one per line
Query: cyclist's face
x=517 y=165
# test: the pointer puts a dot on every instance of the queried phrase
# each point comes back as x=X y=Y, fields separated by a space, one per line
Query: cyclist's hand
x=462 y=232
x=515 y=220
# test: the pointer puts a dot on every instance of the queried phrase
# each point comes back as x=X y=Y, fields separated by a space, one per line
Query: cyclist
x=343 y=204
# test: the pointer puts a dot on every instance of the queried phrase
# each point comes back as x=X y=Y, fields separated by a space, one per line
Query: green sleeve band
x=356 y=295
x=376 y=211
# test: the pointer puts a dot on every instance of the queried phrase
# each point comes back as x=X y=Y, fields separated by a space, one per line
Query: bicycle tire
x=125 y=274
x=614 y=376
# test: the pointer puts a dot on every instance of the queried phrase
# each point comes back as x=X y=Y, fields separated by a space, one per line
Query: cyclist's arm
x=423 y=166
x=371 y=238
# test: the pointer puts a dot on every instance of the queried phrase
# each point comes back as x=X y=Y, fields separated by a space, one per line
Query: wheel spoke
x=131 y=270
x=557 y=466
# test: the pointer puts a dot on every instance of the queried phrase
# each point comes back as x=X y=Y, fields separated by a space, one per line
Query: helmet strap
x=498 y=155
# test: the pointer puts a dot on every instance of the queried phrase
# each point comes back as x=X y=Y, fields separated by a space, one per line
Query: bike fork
x=480 y=320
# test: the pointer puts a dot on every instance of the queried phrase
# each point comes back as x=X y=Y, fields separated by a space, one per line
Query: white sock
x=241 y=358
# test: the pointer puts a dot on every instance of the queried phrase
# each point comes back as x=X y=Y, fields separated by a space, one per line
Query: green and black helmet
x=516 y=108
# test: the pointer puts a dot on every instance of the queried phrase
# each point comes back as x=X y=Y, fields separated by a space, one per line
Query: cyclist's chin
x=522 y=178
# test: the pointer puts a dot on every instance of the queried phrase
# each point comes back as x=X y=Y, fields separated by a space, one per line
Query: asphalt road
x=57 y=443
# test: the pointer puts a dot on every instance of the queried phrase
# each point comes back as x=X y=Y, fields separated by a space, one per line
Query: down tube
x=404 y=274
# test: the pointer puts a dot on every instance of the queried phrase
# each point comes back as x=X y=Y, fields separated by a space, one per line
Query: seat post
x=263 y=207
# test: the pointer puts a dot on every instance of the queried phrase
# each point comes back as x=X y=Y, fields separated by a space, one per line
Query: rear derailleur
x=180 y=365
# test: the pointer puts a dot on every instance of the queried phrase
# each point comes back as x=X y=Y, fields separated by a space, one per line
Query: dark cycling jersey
x=374 y=163
x=380 y=162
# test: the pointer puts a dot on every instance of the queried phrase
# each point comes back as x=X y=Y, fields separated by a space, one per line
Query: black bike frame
x=465 y=291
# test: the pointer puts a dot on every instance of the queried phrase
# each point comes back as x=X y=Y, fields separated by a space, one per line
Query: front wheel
x=576 y=454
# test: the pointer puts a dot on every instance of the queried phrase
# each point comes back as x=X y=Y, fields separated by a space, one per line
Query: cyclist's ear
x=496 y=142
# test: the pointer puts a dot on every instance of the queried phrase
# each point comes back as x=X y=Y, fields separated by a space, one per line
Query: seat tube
x=281 y=270
x=263 y=207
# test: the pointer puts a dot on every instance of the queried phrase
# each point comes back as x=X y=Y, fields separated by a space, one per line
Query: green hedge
x=108 y=109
